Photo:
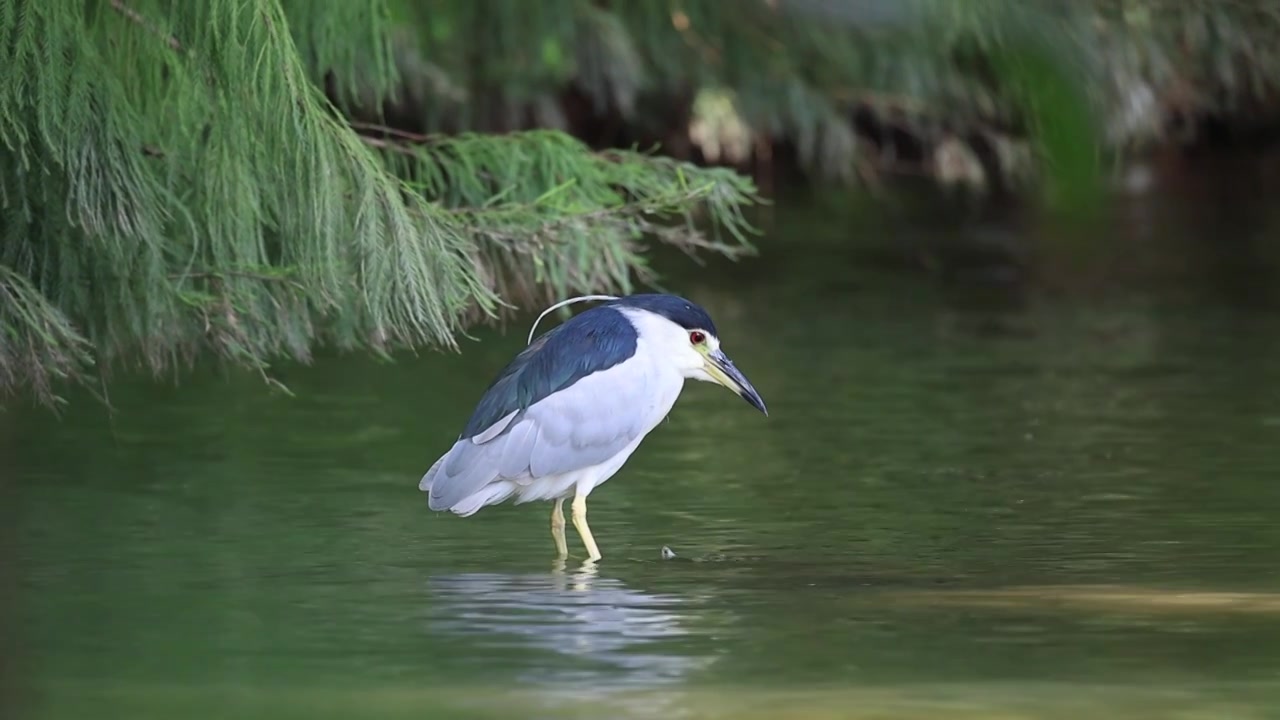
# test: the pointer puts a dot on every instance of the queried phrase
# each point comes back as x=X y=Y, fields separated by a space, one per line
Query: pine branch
x=133 y=15
x=394 y=132
x=256 y=224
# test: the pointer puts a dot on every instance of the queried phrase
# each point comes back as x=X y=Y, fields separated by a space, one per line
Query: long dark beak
x=720 y=367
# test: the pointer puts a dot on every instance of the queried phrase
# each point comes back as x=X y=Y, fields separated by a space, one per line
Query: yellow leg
x=557 y=529
x=580 y=522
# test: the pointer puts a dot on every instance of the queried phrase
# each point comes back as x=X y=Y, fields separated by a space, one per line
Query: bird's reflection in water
x=602 y=633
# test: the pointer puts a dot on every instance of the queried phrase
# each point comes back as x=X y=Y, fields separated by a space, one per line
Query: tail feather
x=425 y=483
x=453 y=478
x=490 y=494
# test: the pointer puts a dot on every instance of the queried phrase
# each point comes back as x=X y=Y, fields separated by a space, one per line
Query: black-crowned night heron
x=569 y=410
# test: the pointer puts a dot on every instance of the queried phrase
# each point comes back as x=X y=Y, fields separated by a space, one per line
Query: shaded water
x=1045 y=509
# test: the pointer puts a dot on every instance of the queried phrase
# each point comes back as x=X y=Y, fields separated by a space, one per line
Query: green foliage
x=174 y=181
x=178 y=176
x=1093 y=73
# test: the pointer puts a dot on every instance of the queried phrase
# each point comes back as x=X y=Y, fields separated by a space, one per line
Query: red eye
x=697 y=337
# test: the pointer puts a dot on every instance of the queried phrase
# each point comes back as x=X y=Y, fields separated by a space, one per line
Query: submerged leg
x=580 y=522
x=557 y=529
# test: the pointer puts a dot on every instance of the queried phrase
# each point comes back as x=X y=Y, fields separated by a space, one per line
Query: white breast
x=663 y=386
x=665 y=383
x=660 y=388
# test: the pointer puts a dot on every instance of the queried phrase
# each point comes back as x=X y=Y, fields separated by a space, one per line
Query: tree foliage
x=174 y=181
x=257 y=177
x=1039 y=81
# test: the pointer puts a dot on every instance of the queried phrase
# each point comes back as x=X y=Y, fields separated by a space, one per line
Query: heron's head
x=683 y=333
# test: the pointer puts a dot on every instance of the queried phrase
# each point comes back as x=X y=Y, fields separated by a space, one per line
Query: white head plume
x=562 y=303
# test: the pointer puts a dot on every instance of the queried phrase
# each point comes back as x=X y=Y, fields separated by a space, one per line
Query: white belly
x=663 y=392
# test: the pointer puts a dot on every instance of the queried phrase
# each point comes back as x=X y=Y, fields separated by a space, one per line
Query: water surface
x=1051 y=507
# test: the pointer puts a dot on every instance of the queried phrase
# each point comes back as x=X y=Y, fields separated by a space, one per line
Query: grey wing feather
x=518 y=446
x=580 y=426
x=495 y=429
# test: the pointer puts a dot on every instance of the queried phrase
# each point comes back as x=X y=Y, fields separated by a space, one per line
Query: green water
x=1045 y=507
